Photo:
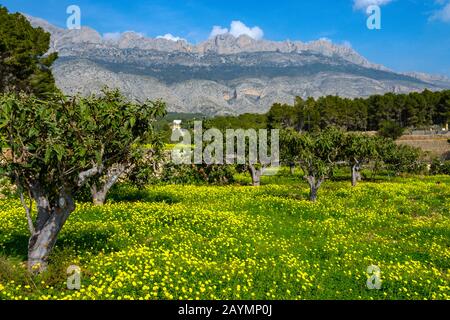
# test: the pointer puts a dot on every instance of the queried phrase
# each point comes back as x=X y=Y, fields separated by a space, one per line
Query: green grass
x=239 y=242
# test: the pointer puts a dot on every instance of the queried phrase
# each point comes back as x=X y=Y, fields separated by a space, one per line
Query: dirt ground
x=437 y=145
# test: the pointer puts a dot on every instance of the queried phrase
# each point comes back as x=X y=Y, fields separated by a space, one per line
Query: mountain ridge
x=221 y=44
x=222 y=75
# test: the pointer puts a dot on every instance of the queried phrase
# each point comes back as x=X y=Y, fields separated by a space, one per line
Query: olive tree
x=358 y=149
x=51 y=150
x=127 y=138
x=316 y=153
x=400 y=158
x=263 y=151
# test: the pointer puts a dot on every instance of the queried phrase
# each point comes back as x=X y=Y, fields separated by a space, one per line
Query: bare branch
x=114 y=174
x=319 y=183
x=28 y=213
x=85 y=175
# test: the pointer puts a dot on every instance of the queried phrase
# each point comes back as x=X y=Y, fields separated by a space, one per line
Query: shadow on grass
x=142 y=196
x=17 y=246
x=295 y=193
x=94 y=241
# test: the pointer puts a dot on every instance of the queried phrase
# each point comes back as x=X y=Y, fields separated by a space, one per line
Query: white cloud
x=217 y=30
x=170 y=37
x=442 y=14
x=237 y=28
x=364 y=4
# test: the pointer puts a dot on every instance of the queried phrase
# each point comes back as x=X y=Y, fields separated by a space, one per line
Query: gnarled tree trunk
x=50 y=220
x=111 y=177
x=314 y=187
x=256 y=175
x=356 y=173
x=52 y=214
x=98 y=196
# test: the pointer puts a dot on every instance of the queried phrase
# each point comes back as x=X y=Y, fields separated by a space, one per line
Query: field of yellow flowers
x=237 y=242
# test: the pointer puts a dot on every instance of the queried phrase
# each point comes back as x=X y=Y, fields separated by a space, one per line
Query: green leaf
x=48 y=154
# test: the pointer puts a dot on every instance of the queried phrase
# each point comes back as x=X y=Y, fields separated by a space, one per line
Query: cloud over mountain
x=231 y=73
x=238 y=28
x=170 y=37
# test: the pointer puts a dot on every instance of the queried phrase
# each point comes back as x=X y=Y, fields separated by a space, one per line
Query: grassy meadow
x=241 y=242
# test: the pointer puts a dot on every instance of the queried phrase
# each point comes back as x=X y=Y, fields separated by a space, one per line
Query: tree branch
x=319 y=183
x=114 y=174
x=85 y=175
x=28 y=213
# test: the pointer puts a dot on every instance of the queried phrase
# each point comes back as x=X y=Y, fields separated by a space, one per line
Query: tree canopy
x=53 y=147
x=316 y=153
x=358 y=149
x=390 y=113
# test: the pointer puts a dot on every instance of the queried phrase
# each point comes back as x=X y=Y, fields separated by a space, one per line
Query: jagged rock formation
x=223 y=75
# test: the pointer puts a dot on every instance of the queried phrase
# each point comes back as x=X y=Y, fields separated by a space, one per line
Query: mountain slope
x=223 y=75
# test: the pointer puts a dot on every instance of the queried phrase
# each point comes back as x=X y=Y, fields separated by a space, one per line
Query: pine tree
x=24 y=65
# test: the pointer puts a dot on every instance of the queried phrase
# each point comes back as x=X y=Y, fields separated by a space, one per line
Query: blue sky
x=415 y=34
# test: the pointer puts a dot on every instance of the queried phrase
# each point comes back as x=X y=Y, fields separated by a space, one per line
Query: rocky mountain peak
x=222 y=75
x=224 y=44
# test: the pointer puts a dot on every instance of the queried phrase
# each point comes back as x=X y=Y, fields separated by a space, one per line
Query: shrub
x=403 y=158
x=7 y=189
x=390 y=129
x=440 y=167
x=198 y=174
